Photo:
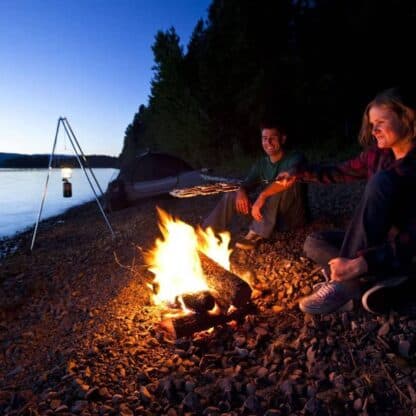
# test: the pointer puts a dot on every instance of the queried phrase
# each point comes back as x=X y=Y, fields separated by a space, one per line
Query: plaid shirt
x=393 y=256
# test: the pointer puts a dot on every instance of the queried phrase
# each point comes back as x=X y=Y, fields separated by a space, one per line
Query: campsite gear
x=392 y=293
x=148 y=175
x=66 y=173
x=151 y=174
x=116 y=197
x=83 y=163
x=67 y=188
x=329 y=297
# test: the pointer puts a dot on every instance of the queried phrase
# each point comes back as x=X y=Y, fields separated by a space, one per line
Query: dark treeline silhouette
x=42 y=161
x=315 y=63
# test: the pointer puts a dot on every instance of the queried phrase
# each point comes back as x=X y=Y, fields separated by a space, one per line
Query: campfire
x=193 y=283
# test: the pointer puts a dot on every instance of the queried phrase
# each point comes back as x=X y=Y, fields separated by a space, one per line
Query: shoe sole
x=244 y=246
x=375 y=295
x=346 y=307
x=247 y=246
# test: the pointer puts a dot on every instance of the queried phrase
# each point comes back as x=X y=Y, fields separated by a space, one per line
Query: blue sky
x=87 y=60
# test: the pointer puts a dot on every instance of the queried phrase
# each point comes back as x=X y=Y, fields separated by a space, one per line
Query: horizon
x=89 y=61
x=55 y=154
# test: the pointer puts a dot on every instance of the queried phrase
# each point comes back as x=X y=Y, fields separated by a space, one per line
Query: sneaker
x=347 y=307
x=330 y=297
x=249 y=241
x=385 y=295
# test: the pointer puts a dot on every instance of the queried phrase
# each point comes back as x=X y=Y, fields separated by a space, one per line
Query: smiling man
x=285 y=211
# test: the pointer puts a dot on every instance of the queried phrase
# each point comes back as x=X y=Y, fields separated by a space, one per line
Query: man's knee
x=312 y=242
x=292 y=209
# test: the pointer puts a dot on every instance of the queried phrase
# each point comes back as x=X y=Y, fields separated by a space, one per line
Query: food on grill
x=209 y=189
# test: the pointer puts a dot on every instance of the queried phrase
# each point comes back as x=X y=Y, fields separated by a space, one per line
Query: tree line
x=42 y=161
x=313 y=63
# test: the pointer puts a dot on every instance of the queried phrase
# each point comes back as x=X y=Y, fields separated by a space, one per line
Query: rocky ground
x=79 y=334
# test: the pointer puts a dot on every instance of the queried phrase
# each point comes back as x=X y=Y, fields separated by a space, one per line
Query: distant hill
x=15 y=160
x=5 y=156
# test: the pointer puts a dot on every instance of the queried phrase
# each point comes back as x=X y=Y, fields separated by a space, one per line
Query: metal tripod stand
x=83 y=163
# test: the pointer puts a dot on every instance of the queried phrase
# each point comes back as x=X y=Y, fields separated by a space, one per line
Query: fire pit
x=193 y=284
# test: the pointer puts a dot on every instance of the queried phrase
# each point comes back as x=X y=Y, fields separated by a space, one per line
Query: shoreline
x=10 y=244
x=321 y=199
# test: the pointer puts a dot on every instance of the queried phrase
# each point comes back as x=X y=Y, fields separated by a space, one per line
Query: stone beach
x=79 y=334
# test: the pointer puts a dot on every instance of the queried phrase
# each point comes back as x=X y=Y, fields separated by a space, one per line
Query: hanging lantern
x=67 y=186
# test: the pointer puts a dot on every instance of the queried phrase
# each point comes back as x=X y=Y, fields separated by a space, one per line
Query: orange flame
x=175 y=262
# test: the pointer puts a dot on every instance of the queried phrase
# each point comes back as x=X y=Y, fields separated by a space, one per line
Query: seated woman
x=375 y=253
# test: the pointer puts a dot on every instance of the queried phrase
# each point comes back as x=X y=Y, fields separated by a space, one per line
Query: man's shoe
x=249 y=241
x=387 y=294
x=330 y=297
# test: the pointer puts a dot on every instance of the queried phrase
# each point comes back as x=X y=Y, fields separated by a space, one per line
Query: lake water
x=21 y=192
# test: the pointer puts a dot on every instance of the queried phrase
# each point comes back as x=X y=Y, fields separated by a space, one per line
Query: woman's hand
x=285 y=179
x=343 y=269
x=242 y=203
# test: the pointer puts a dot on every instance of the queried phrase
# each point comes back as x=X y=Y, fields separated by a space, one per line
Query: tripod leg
x=46 y=184
x=89 y=180
x=86 y=164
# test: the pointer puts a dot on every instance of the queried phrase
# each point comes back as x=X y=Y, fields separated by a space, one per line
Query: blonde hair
x=395 y=100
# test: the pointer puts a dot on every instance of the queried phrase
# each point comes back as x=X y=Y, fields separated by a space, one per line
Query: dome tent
x=149 y=174
x=150 y=166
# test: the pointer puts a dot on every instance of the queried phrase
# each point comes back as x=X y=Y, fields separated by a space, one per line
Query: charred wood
x=199 y=302
x=184 y=325
x=227 y=288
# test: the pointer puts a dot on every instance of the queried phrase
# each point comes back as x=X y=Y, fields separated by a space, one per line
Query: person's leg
x=287 y=210
x=374 y=216
x=323 y=246
x=293 y=209
x=329 y=296
x=387 y=207
x=220 y=217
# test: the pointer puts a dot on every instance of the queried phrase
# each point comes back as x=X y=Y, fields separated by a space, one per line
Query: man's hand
x=242 y=203
x=343 y=269
x=257 y=206
x=283 y=181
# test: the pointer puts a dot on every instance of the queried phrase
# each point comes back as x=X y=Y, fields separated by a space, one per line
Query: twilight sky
x=87 y=60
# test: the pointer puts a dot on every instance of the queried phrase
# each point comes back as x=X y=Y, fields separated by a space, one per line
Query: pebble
x=79 y=406
x=404 y=348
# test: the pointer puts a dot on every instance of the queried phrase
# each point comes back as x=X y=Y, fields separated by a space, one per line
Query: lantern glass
x=66 y=173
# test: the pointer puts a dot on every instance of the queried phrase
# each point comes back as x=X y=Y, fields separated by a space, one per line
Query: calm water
x=21 y=191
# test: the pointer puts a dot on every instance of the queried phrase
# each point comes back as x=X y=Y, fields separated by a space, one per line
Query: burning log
x=227 y=288
x=184 y=325
x=199 y=302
